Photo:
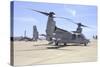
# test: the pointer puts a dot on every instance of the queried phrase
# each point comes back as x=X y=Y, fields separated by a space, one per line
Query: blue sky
x=24 y=19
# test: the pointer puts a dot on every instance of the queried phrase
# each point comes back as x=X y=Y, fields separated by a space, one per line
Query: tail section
x=35 y=33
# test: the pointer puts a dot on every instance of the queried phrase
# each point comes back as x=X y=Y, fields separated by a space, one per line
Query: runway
x=34 y=53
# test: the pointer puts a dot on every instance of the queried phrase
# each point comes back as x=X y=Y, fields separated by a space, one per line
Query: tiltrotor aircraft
x=25 y=38
x=57 y=35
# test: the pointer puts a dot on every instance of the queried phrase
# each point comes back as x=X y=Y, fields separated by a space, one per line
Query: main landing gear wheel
x=56 y=43
x=85 y=44
x=65 y=44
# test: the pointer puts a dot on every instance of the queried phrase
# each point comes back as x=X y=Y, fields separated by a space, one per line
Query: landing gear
x=65 y=44
x=85 y=44
x=56 y=43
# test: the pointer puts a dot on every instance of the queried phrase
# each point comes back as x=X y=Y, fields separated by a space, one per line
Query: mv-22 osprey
x=57 y=35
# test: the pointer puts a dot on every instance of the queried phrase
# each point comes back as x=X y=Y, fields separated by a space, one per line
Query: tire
x=65 y=44
x=85 y=44
x=56 y=43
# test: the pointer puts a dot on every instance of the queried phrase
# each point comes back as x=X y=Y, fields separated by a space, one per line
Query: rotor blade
x=81 y=25
x=66 y=19
x=70 y=21
x=45 y=13
x=84 y=25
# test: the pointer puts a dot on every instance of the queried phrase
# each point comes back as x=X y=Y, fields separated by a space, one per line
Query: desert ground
x=34 y=53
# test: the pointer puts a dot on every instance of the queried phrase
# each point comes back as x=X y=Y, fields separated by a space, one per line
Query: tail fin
x=35 y=33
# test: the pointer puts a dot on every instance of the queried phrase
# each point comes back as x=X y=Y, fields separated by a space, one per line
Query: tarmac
x=37 y=53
